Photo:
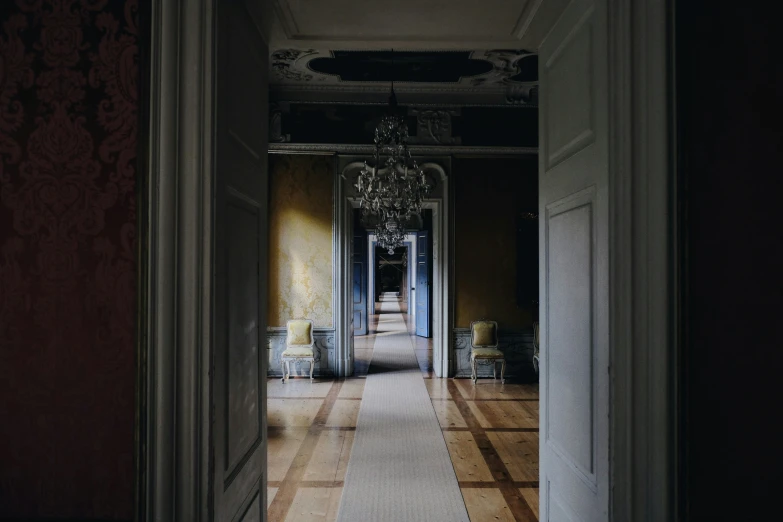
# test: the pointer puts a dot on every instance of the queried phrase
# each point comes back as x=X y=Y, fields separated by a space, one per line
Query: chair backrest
x=535 y=335
x=484 y=334
x=299 y=332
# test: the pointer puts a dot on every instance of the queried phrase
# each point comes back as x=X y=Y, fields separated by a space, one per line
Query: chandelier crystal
x=390 y=236
x=394 y=187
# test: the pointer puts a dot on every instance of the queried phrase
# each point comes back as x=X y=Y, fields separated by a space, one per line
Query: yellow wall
x=489 y=194
x=300 y=239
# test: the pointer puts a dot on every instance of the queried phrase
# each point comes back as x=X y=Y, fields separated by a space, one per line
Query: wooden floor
x=491 y=431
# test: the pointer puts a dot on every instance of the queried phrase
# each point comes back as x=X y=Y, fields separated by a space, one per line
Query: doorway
x=640 y=322
x=399 y=275
x=431 y=246
x=391 y=273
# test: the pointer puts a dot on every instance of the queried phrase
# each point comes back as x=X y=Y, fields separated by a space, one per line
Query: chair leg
x=503 y=372
x=312 y=365
x=282 y=364
x=494 y=370
x=473 y=370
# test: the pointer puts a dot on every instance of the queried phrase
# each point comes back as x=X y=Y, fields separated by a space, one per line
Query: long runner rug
x=399 y=469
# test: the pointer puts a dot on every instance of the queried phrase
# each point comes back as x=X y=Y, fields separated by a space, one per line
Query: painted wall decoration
x=489 y=194
x=300 y=236
x=68 y=146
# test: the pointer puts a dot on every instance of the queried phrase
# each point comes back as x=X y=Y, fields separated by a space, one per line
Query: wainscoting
x=517 y=347
x=324 y=353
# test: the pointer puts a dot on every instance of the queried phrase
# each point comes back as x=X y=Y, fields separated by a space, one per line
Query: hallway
x=490 y=430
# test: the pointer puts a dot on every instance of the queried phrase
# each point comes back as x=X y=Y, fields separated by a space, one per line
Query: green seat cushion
x=299 y=332
x=484 y=333
x=296 y=351
x=487 y=353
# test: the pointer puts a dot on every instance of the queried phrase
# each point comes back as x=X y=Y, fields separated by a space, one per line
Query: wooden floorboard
x=491 y=431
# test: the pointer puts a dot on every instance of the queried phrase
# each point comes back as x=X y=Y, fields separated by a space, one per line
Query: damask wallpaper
x=488 y=194
x=68 y=146
x=300 y=236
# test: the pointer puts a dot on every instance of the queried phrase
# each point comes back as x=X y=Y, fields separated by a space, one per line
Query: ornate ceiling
x=488 y=77
x=460 y=52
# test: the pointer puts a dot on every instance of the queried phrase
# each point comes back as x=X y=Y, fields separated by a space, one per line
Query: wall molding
x=176 y=251
x=284 y=97
x=325 y=354
x=643 y=284
x=516 y=345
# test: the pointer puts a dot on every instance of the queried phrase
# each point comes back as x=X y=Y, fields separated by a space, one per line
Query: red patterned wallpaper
x=68 y=145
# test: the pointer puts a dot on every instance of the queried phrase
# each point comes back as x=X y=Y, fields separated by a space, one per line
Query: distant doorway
x=392 y=274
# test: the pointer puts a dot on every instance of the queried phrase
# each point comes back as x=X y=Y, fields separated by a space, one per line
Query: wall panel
x=300 y=239
x=490 y=194
x=68 y=257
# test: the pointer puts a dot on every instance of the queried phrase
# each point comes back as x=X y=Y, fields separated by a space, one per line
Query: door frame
x=372 y=242
x=441 y=323
x=172 y=455
x=172 y=428
x=175 y=254
x=643 y=262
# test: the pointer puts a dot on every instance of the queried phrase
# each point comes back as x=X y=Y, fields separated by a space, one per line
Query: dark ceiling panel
x=401 y=66
x=528 y=69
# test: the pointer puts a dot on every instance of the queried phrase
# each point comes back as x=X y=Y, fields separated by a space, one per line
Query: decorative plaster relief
x=510 y=74
x=505 y=66
x=284 y=65
x=522 y=94
x=433 y=127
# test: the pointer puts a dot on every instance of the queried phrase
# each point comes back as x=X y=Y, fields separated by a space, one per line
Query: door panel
x=573 y=237
x=238 y=482
x=373 y=278
x=423 y=288
x=243 y=424
x=359 y=284
x=409 y=278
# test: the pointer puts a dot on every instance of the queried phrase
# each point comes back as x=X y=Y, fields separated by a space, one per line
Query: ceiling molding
x=339 y=148
x=488 y=24
x=527 y=16
x=284 y=97
x=286 y=18
x=399 y=87
x=261 y=16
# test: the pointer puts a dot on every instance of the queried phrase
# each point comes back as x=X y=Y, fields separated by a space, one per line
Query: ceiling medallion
x=394 y=187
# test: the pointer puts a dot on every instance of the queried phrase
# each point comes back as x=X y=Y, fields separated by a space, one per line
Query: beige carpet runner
x=399 y=469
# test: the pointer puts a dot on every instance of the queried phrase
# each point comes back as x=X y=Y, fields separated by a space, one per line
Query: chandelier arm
x=392 y=190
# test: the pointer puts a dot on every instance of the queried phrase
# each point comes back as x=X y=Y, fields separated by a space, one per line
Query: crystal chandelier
x=393 y=188
x=390 y=235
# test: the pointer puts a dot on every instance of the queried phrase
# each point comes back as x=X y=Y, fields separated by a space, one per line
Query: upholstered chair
x=536 y=357
x=484 y=349
x=299 y=345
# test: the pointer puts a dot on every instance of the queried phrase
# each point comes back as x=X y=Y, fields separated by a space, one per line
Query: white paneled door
x=574 y=221
x=238 y=384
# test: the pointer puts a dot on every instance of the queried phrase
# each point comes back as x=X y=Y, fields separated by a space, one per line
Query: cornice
x=340 y=148
x=385 y=102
